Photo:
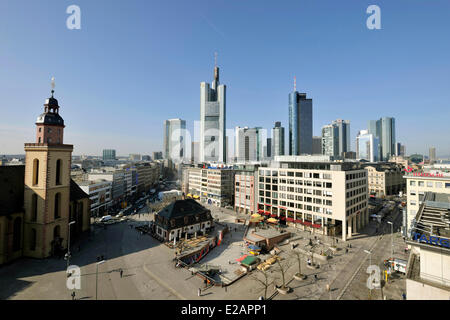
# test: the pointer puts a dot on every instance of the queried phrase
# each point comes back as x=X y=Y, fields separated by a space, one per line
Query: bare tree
x=283 y=268
x=298 y=255
x=264 y=282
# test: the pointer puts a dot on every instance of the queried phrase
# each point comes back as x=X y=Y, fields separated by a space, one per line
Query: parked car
x=105 y=218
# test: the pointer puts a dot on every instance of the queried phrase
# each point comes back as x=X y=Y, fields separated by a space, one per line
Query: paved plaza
x=149 y=271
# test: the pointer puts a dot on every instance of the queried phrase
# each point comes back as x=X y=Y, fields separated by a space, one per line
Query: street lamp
x=96 y=277
x=68 y=245
x=370 y=263
x=392 y=239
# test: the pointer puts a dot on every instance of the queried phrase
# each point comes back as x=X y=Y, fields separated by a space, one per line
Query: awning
x=272 y=220
x=242 y=258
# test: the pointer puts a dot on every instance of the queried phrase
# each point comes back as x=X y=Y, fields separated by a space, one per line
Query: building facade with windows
x=428 y=269
x=385 y=179
x=100 y=194
x=277 y=140
x=213 y=121
x=212 y=185
x=416 y=187
x=300 y=124
x=175 y=139
x=109 y=154
x=245 y=191
x=314 y=193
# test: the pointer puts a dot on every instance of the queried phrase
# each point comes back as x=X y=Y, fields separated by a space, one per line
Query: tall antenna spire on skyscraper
x=215 y=59
x=295 y=83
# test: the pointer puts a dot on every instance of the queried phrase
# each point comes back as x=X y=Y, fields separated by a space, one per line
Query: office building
x=432 y=155
x=109 y=154
x=317 y=145
x=195 y=152
x=135 y=157
x=315 y=194
x=213 y=121
x=277 y=140
x=385 y=179
x=417 y=184
x=212 y=185
x=367 y=146
x=343 y=135
x=300 y=124
x=157 y=155
x=118 y=184
x=428 y=269
x=330 y=140
x=175 y=139
x=384 y=130
x=250 y=143
x=245 y=190
x=268 y=152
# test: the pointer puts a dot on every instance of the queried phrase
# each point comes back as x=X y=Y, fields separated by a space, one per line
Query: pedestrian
x=121 y=272
x=73 y=295
x=315 y=277
x=199 y=292
x=404 y=296
x=337 y=241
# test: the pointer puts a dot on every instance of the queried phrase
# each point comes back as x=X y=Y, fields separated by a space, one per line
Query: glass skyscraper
x=213 y=121
x=300 y=124
x=174 y=139
x=330 y=140
x=277 y=140
x=367 y=146
x=384 y=130
x=109 y=154
x=343 y=135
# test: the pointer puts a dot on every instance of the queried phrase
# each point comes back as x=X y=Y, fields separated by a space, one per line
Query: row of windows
x=358 y=175
x=430 y=184
x=276 y=173
x=356 y=192
x=356 y=184
x=355 y=209
x=356 y=200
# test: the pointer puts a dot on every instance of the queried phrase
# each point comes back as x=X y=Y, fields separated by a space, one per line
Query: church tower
x=47 y=185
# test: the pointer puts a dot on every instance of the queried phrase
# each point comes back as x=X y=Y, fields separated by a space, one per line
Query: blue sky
x=136 y=63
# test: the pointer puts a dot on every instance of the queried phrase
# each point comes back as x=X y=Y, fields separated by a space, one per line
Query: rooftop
x=433 y=217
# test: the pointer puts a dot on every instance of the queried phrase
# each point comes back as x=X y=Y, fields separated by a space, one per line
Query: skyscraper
x=194 y=152
x=174 y=139
x=268 y=152
x=367 y=146
x=384 y=130
x=343 y=135
x=109 y=154
x=249 y=144
x=300 y=123
x=277 y=140
x=330 y=140
x=213 y=120
x=432 y=155
x=317 y=145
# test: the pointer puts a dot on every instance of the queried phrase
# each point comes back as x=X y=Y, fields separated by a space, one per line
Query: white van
x=105 y=218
